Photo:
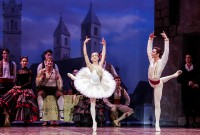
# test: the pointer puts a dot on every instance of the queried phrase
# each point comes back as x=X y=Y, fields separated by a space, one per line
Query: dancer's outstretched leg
x=93 y=113
x=157 y=99
x=167 y=78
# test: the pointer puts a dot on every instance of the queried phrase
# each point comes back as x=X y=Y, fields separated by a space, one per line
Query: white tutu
x=89 y=84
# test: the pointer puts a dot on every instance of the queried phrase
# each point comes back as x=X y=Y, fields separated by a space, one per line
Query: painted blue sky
x=125 y=24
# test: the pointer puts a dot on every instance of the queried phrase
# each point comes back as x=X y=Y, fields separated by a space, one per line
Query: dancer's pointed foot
x=177 y=73
x=71 y=76
x=117 y=123
x=94 y=127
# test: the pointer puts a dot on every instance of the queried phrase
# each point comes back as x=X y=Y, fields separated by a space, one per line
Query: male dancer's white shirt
x=156 y=68
x=6 y=70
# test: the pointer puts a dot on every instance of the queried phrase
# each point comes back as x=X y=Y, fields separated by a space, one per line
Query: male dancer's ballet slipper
x=117 y=123
x=178 y=73
x=158 y=129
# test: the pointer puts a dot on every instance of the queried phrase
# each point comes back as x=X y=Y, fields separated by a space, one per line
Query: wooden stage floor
x=100 y=131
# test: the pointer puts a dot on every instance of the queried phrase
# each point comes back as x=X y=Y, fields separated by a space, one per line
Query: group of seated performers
x=47 y=102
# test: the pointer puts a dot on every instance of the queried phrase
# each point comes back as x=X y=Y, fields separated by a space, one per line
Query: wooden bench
x=50 y=108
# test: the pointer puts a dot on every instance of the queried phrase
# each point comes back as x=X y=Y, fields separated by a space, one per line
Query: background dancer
x=115 y=103
x=20 y=100
x=189 y=81
x=50 y=83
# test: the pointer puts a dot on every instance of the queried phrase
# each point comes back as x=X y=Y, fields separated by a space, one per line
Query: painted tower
x=12 y=28
x=61 y=42
x=91 y=27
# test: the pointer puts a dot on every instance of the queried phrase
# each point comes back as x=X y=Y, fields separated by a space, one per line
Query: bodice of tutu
x=98 y=69
x=94 y=77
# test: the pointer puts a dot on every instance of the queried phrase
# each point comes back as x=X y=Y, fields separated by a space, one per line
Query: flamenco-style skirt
x=82 y=116
x=20 y=103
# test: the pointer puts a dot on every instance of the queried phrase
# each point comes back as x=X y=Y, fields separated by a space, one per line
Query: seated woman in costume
x=19 y=101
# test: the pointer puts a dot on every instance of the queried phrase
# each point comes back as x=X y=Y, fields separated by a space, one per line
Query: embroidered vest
x=120 y=101
x=11 y=68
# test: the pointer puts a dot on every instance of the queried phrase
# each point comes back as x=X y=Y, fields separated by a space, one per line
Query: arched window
x=95 y=31
x=12 y=10
x=66 y=41
x=57 y=40
x=8 y=25
x=12 y=25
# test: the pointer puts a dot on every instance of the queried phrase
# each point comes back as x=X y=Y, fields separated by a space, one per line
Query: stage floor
x=100 y=131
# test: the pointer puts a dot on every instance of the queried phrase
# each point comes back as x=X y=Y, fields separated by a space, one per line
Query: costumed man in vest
x=48 y=54
x=7 y=72
x=7 y=77
x=50 y=83
x=115 y=102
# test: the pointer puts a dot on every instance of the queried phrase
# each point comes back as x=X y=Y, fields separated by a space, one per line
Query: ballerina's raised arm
x=103 y=52
x=87 y=61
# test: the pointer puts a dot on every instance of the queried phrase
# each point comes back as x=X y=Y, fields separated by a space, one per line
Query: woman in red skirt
x=20 y=100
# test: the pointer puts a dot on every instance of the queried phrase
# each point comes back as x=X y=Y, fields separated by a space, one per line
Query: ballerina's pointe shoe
x=94 y=127
x=158 y=128
x=178 y=73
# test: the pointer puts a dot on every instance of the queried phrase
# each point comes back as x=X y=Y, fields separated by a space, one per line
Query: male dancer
x=7 y=72
x=7 y=79
x=41 y=72
x=190 y=83
x=157 y=64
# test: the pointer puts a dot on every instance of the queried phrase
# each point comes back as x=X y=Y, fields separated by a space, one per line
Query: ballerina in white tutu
x=93 y=81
